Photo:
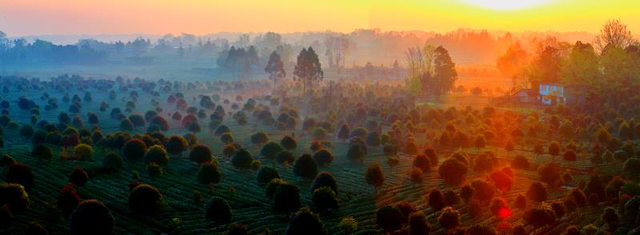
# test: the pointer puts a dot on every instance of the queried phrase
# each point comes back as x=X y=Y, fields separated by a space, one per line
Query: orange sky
x=36 y=17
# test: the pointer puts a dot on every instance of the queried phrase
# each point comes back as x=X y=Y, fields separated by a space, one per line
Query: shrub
x=260 y=138
x=200 y=154
x=112 y=162
x=595 y=186
x=266 y=174
x=570 y=155
x=422 y=162
x=305 y=167
x=483 y=190
x=453 y=171
x=68 y=199
x=305 y=222
x=209 y=174
x=6 y=160
x=578 y=197
x=451 y=198
x=176 y=145
x=373 y=139
x=26 y=131
x=324 y=198
x=41 y=151
x=550 y=174
x=91 y=217
x=432 y=155
x=323 y=157
x=374 y=175
x=449 y=218
x=558 y=208
x=156 y=154
x=286 y=198
x=436 y=200
x=285 y=156
x=288 y=142
x=389 y=218
x=14 y=197
x=406 y=208
x=501 y=180
x=537 y=192
x=226 y=138
x=20 y=174
x=485 y=162
x=418 y=224
x=145 y=199
x=500 y=208
x=325 y=179
x=242 y=159
x=83 y=152
x=134 y=149
x=466 y=192
x=355 y=153
x=611 y=217
x=78 y=176
x=348 y=225
x=218 y=210
x=416 y=175
x=126 y=125
x=539 y=217
x=270 y=150
x=631 y=168
x=154 y=170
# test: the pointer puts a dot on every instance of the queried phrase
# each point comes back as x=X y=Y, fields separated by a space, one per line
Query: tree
x=323 y=157
x=389 y=218
x=449 y=218
x=91 y=217
x=218 y=210
x=554 y=148
x=305 y=167
x=20 y=174
x=436 y=200
x=512 y=62
x=270 y=150
x=325 y=179
x=581 y=67
x=374 y=175
x=537 y=192
x=418 y=224
x=41 y=151
x=145 y=199
x=286 y=198
x=324 y=198
x=176 y=145
x=305 y=222
x=112 y=162
x=422 y=162
x=540 y=216
x=288 y=142
x=242 y=159
x=308 y=68
x=134 y=149
x=200 y=154
x=83 y=152
x=14 y=197
x=348 y=225
x=78 y=176
x=614 y=34
x=453 y=171
x=266 y=174
x=156 y=154
x=209 y=174
x=445 y=74
x=275 y=68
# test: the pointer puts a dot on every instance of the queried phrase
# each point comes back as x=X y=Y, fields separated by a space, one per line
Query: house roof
x=528 y=92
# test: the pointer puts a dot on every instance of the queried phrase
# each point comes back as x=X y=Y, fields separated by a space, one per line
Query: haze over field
x=317 y=117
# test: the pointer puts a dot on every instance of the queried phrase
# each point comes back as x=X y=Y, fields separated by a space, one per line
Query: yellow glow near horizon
x=37 y=17
x=507 y=4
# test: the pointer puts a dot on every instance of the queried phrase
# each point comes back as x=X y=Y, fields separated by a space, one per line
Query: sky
x=159 y=17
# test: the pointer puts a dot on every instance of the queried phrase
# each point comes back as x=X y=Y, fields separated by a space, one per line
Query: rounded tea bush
x=324 y=198
x=156 y=154
x=305 y=167
x=323 y=157
x=270 y=150
x=305 y=222
x=134 y=149
x=209 y=174
x=78 y=176
x=325 y=179
x=20 y=174
x=91 y=217
x=218 y=210
x=285 y=156
x=42 y=151
x=389 y=218
x=266 y=174
x=83 y=152
x=200 y=154
x=286 y=198
x=112 y=162
x=453 y=171
x=145 y=199
x=449 y=218
x=14 y=197
x=176 y=144
x=422 y=162
x=260 y=138
x=242 y=159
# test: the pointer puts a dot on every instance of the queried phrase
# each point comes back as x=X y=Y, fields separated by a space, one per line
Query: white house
x=551 y=93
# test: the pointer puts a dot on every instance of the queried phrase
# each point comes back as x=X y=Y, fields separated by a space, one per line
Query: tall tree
x=444 y=69
x=614 y=34
x=512 y=63
x=308 y=68
x=275 y=68
x=581 y=67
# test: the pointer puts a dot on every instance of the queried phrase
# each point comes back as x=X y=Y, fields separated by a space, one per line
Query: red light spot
x=504 y=213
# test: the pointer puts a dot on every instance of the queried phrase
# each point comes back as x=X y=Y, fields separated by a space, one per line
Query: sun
x=506 y=5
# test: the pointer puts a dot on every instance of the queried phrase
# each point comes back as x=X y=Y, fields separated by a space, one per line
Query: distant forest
x=359 y=48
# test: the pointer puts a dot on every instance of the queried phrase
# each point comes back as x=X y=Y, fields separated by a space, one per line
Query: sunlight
x=507 y=5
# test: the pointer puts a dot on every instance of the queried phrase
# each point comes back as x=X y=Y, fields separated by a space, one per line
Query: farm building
x=551 y=93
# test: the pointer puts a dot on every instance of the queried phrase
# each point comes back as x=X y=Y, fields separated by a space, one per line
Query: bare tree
x=614 y=33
